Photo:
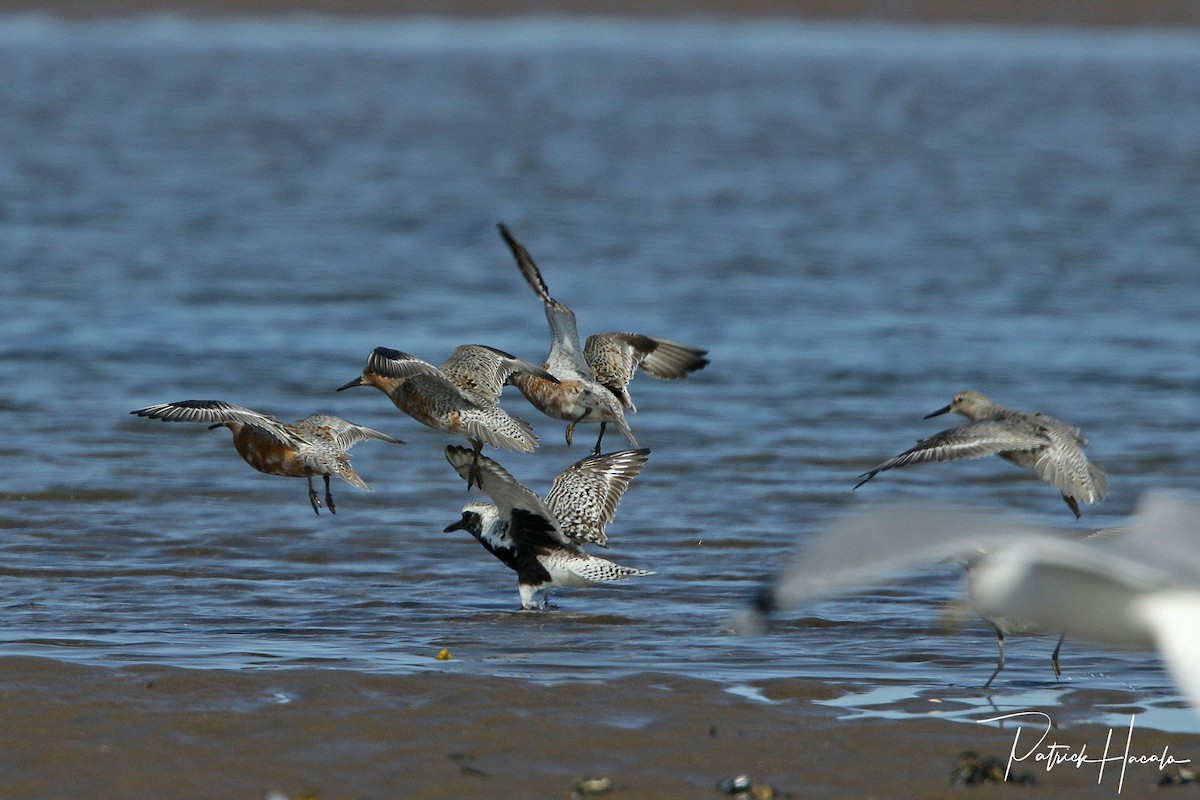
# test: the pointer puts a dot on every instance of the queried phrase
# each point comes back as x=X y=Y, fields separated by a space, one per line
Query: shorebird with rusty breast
x=540 y=539
x=461 y=397
x=592 y=377
x=1048 y=447
x=315 y=445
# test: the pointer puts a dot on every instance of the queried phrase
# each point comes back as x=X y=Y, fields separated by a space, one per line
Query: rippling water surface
x=856 y=222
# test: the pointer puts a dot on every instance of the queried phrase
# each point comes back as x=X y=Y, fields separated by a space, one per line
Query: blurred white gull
x=1139 y=588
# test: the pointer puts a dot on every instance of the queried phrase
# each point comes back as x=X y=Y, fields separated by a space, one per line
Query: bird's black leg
x=312 y=496
x=999 y=661
x=600 y=438
x=1054 y=656
x=1071 y=504
x=329 y=497
x=473 y=474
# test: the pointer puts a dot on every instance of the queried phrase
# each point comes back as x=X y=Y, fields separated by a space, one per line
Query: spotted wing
x=1064 y=465
x=341 y=432
x=615 y=357
x=533 y=524
x=218 y=412
x=566 y=359
x=584 y=496
x=480 y=372
x=984 y=438
x=394 y=364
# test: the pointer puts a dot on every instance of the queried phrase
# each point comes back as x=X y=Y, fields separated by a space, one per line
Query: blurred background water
x=857 y=221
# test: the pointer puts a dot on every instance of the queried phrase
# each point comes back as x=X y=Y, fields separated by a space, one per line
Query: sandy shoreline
x=1156 y=13
x=142 y=731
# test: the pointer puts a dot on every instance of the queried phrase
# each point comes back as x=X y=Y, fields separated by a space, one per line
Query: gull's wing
x=867 y=547
x=532 y=523
x=1164 y=531
x=1086 y=587
x=584 y=496
x=217 y=412
x=1130 y=588
x=1059 y=584
x=1172 y=616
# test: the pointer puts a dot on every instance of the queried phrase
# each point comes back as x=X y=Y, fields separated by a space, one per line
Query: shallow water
x=856 y=221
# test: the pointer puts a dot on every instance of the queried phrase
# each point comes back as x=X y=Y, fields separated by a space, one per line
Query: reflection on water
x=1112 y=708
x=856 y=222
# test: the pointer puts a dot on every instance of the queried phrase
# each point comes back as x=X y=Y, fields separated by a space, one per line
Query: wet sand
x=150 y=731
x=77 y=731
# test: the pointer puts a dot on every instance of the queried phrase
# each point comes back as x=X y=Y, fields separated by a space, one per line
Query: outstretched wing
x=1063 y=464
x=480 y=372
x=1089 y=588
x=217 y=412
x=566 y=358
x=343 y=433
x=584 y=496
x=525 y=263
x=532 y=523
x=394 y=364
x=615 y=357
x=984 y=438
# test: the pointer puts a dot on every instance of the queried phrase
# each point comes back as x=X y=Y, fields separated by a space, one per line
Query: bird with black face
x=540 y=539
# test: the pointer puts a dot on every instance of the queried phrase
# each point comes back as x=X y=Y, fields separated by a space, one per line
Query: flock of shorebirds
x=1142 y=586
x=580 y=382
x=542 y=539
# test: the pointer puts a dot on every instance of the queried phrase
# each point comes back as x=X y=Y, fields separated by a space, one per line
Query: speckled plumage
x=460 y=397
x=314 y=445
x=593 y=376
x=616 y=357
x=584 y=496
x=538 y=539
x=1050 y=448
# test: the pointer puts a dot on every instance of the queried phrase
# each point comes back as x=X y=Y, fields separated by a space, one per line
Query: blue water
x=856 y=222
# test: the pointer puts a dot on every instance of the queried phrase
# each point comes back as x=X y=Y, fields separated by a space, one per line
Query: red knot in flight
x=461 y=397
x=1052 y=449
x=315 y=445
x=592 y=378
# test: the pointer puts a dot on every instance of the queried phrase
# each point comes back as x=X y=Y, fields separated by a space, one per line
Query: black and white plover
x=540 y=540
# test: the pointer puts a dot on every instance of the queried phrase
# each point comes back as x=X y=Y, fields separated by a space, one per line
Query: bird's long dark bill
x=356 y=382
x=939 y=412
x=461 y=525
